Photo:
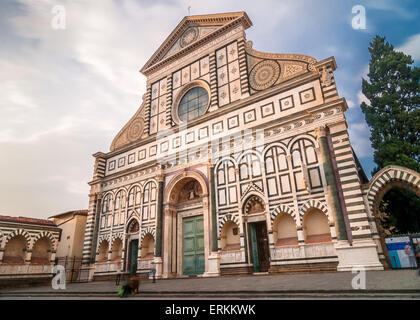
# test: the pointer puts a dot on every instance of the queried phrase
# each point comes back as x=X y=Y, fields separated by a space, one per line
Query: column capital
x=321 y=132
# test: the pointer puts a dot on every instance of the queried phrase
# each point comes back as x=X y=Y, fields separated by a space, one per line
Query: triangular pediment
x=193 y=30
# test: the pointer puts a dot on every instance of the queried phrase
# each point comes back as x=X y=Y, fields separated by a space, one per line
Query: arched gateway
x=186 y=216
x=383 y=181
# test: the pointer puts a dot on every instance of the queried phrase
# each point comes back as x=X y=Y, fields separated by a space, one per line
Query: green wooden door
x=134 y=249
x=254 y=247
x=193 y=245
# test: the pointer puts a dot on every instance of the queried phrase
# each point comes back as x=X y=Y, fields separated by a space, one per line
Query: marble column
x=335 y=205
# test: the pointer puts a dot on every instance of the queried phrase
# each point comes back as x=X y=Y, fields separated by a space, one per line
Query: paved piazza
x=382 y=284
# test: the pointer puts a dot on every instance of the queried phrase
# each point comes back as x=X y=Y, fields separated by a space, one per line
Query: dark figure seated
x=130 y=287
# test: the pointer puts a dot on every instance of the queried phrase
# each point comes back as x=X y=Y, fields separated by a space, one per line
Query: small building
x=27 y=250
x=72 y=225
x=70 y=247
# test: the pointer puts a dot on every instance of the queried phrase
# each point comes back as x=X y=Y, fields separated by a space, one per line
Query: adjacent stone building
x=237 y=161
x=73 y=226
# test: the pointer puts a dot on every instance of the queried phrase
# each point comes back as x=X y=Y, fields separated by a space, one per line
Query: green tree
x=393 y=115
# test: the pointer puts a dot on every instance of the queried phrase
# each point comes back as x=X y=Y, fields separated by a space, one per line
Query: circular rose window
x=193 y=104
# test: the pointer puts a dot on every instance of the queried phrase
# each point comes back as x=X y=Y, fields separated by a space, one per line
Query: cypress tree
x=393 y=116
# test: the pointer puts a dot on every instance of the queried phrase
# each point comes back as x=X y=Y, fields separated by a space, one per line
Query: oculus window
x=193 y=104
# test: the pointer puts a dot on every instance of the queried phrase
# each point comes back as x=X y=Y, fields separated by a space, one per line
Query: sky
x=66 y=93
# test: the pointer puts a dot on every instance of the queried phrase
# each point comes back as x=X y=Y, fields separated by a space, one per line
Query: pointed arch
x=226 y=218
x=313 y=203
x=48 y=235
x=19 y=232
x=386 y=178
x=116 y=236
x=283 y=208
x=147 y=230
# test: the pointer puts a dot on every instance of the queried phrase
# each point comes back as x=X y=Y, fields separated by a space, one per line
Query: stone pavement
x=387 y=282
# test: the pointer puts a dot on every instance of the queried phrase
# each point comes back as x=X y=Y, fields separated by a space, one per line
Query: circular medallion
x=135 y=130
x=264 y=74
x=189 y=36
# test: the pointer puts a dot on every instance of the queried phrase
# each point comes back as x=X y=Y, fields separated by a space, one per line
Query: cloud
x=411 y=47
x=66 y=93
x=362 y=98
x=398 y=8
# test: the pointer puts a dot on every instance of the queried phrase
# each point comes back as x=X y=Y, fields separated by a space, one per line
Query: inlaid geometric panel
x=152 y=150
x=195 y=70
x=249 y=116
x=131 y=158
x=307 y=95
x=232 y=51
x=176 y=143
x=189 y=137
x=204 y=65
x=111 y=165
x=221 y=58
x=315 y=177
x=267 y=110
x=222 y=76
x=176 y=79
x=185 y=75
x=233 y=122
x=286 y=103
x=235 y=90
x=224 y=95
x=203 y=133
x=142 y=154
x=233 y=70
x=217 y=127
x=121 y=162
x=164 y=146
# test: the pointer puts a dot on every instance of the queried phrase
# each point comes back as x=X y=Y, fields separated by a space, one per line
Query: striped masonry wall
x=90 y=224
x=147 y=110
x=350 y=183
x=243 y=67
x=213 y=81
x=169 y=121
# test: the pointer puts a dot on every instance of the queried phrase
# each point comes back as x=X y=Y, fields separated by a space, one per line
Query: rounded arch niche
x=187 y=186
x=254 y=205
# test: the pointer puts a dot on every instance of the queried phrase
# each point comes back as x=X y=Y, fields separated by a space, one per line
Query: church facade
x=237 y=161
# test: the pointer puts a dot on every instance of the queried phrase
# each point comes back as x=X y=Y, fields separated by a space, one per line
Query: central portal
x=193 y=245
x=186 y=226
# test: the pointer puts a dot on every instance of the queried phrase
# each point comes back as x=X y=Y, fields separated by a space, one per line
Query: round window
x=193 y=104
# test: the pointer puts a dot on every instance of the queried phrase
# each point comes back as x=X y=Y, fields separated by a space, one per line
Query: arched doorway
x=254 y=211
x=15 y=250
x=386 y=180
x=132 y=236
x=186 y=226
x=41 y=251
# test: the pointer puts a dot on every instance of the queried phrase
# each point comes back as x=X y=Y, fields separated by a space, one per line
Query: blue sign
x=401 y=252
